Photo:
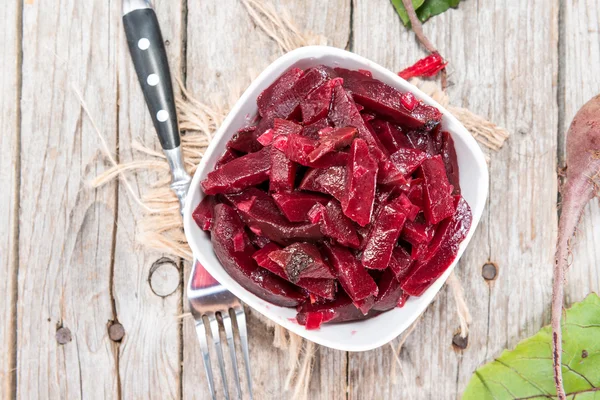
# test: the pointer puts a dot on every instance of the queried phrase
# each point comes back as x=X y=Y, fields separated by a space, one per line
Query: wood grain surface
x=72 y=261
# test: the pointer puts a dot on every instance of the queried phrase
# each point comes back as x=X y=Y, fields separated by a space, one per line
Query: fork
x=207 y=298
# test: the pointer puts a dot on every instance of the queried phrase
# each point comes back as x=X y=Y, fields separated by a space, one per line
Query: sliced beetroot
x=261 y=214
x=240 y=173
x=437 y=191
x=229 y=155
x=297 y=148
x=389 y=292
x=448 y=154
x=400 y=263
x=335 y=224
x=331 y=181
x=203 y=214
x=257 y=240
x=422 y=141
x=408 y=160
x=316 y=105
x=324 y=288
x=403 y=299
x=383 y=237
x=365 y=305
x=357 y=203
x=312 y=130
x=282 y=173
x=387 y=101
x=419 y=251
x=424 y=273
x=301 y=260
x=415 y=193
x=330 y=140
x=408 y=207
x=274 y=92
x=296 y=205
x=245 y=140
x=417 y=232
x=353 y=277
x=339 y=310
x=390 y=135
x=285 y=127
x=241 y=266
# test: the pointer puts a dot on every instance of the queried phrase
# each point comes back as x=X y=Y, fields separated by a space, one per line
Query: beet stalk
x=581 y=185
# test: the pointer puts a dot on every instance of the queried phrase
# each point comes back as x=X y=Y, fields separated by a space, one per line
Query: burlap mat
x=161 y=227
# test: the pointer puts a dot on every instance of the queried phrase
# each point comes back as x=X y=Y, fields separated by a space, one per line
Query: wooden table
x=71 y=258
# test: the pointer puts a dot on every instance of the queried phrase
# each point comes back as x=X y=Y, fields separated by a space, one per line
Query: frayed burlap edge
x=161 y=227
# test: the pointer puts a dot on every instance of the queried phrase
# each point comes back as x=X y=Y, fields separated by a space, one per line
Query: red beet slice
x=335 y=224
x=357 y=204
x=365 y=305
x=295 y=206
x=408 y=160
x=390 y=135
x=408 y=207
x=203 y=214
x=437 y=191
x=282 y=173
x=403 y=299
x=301 y=260
x=285 y=127
x=385 y=100
x=245 y=140
x=424 y=273
x=353 y=277
x=419 y=251
x=261 y=214
x=312 y=130
x=316 y=105
x=258 y=241
x=241 y=266
x=274 y=92
x=383 y=237
x=236 y=175
x=415 y=193
x=389 y=292
x=422 y=141
x=324 y=288
x=448 y=154
x=297 y=148
x=340 y=310
x=330 y=181
x=336 y=139
x=229 y=155
x=400 y=263
x=417 y=232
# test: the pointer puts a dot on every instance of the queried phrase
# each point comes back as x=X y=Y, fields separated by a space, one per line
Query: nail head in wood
x=63 y=335
x=489 y=271
x=116 y=332
x=164 y=277
x=459 y=342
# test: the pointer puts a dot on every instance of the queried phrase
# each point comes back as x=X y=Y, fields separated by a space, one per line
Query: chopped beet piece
x=312 y=130
x=301 y=260
x=365 y=305
x=400 y=263
x=331 y=181
x=437 y=191
x=297 y=148
x=313 y=321
x=408 y=207
x=419 y=251
x=203 y=214
x=353 y=277
x=424 y=273
x=335 y=224
x=316 y=105
x=408 y=160
x=360 y=188
x=336 y=139
x=408 y=100
x=245 y=140
x=366 y=72
x=274 y=92
x=261 y=214
x=242 y=267
x=266 y=138
x=240 y=241
x=339 y=310
x=285 y=127
x=415 y=193
x=243 y=172
x=402 y=300
x=417 y=232
x=422 y=141
x=295 y=206
x=229 y=155
x=282 y=173
x=385 y=100
x=389 y=292
x=257 y=240
x=448 y=154
x=324 y=288
x=383 y=237
x=390 y=135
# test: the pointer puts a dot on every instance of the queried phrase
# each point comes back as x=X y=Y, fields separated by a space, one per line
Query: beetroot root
x=582 y=182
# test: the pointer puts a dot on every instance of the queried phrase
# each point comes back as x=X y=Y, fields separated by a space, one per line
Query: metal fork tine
x=201 y=332
x=231 y=345
x=240 y=318
x=214 y=328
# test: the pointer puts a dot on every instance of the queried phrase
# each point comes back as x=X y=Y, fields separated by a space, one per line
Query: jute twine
x=161 y=227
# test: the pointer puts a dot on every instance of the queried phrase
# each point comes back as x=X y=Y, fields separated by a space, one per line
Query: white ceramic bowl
x=350 y=336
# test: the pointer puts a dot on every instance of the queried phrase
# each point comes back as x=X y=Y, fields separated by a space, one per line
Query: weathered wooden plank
x=503 y=66
x=225 y=49
x=66 y=230
x=9 y=178
x=149 y=359
x=581 y=45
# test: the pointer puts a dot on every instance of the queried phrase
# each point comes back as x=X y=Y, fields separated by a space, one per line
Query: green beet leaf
x=402 y=11
x=526 y=371
x=425 y=8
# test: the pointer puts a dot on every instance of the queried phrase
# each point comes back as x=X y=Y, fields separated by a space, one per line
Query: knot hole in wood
x=164 y=277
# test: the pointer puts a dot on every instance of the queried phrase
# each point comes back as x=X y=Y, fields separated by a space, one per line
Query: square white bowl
x=350 y=336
